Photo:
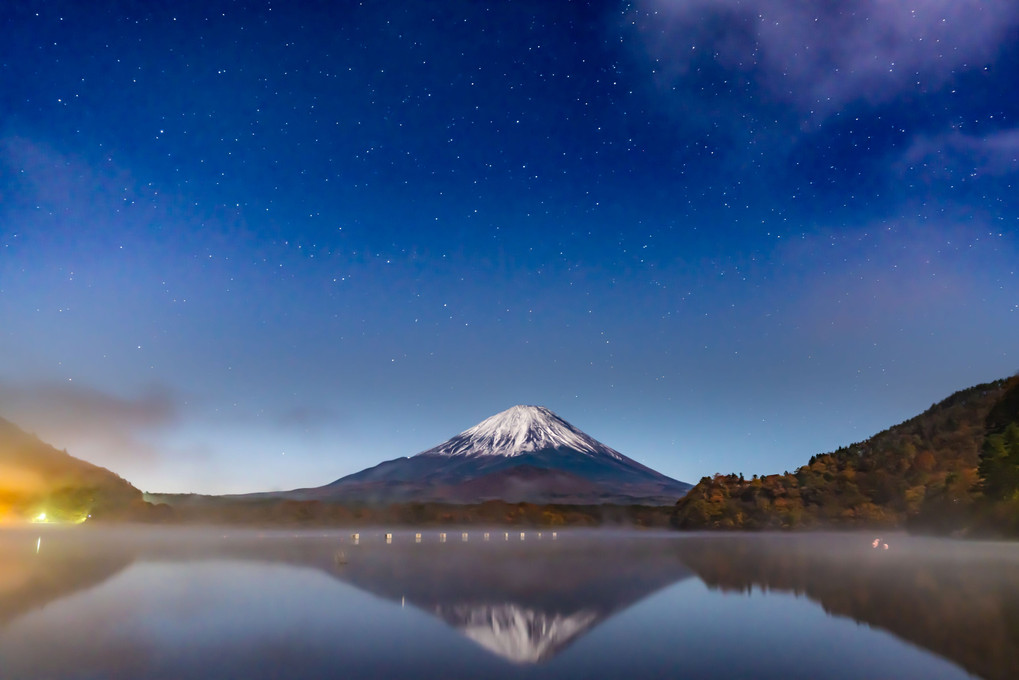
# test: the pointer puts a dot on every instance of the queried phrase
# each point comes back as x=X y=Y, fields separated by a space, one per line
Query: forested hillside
x=39 y=482
x=953 y=467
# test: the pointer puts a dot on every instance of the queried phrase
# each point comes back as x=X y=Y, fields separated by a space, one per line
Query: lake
x=171 y=603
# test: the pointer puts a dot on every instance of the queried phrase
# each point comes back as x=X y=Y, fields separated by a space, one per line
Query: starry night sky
x=261 y=245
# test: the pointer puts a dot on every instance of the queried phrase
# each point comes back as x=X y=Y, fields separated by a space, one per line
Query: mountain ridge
x=928 y=473
x=39 y=482
x=522 y=454
x=517 y=430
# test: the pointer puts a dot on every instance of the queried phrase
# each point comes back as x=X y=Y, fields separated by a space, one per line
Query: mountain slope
x=524 y=454
x=519 y=430
x=923 y=472
x=36 y=478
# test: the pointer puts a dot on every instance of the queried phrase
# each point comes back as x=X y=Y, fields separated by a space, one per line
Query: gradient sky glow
x=261 y=245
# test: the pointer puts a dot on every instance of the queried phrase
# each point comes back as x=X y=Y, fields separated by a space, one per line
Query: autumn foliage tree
x=927 y=472
x=999 y=465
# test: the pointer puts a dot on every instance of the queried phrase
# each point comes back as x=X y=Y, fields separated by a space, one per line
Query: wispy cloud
x=820 y=56
x=949 y=154
x=84 y=204
x=873 y=280
x=305 y=416
x=82 y=418
x=64 y=187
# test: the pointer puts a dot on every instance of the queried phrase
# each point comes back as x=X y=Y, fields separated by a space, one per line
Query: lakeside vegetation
x=952 y=469
x=40 y=483
x=294 y=513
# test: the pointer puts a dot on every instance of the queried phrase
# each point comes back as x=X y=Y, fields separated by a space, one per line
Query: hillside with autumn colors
x=953 y=468
x=41 y=483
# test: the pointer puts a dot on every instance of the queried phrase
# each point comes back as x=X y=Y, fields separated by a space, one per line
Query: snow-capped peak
x=519 y=430
x=519 y=634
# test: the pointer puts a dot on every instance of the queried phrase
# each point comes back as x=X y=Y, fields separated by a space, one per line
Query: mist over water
x=188 y=603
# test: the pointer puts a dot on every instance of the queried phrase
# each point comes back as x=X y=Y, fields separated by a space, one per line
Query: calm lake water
x=177 y=604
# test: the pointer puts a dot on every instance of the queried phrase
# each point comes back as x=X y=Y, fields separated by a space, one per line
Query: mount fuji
x=524 y=454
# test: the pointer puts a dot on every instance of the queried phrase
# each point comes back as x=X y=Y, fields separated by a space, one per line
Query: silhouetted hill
x=36 y=478
x=925 y=472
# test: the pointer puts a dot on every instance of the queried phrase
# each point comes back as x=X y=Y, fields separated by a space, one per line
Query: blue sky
x=251 y=246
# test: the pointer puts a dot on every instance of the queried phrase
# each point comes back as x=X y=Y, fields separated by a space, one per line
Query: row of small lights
x=464 y=537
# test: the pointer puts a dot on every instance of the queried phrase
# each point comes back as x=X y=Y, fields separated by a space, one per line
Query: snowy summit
x=526 y=454
x=519 y=430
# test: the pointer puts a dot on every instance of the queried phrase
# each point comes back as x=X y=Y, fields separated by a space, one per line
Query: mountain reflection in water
x=522 y=602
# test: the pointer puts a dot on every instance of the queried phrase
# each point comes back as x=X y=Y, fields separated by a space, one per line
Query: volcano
x=524 y=454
